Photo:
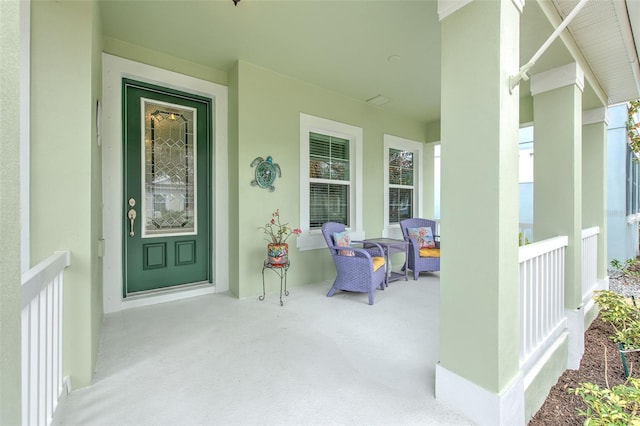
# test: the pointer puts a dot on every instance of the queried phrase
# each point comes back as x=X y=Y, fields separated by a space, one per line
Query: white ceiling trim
x=448 y=7
x=622 y=14
x=519 y=4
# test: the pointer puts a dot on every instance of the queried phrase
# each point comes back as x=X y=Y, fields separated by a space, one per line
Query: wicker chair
x=414 y=261
x=354 y=273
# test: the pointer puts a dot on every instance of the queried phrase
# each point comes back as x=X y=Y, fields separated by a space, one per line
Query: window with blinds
x=401 y=185
x=329 y=180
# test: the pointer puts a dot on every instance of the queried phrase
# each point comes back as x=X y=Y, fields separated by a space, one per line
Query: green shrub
x=616 y=406
x=620 y=405
x=622 y=315
x=628 y=268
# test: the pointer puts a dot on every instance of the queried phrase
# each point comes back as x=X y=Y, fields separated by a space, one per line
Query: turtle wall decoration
x=266 y=173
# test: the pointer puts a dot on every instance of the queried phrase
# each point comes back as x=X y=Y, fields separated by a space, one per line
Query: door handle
x=132 y=218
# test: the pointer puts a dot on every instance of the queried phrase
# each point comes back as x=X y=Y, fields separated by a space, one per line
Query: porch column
x=594 y=181
x=478 y=372
x=10 y=277
x=557 y=194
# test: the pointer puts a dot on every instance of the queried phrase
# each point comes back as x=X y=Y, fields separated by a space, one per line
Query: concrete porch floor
x=217 y=360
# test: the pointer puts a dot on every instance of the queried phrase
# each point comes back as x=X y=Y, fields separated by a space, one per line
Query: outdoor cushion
x=377 y=262
x=429 y=252
x=342 y=239
x=423 y=236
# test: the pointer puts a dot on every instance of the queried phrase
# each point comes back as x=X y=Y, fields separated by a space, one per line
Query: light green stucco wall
x=269 y=106
x=433 y=131
x=162 y=60
x=526 y=109
x=234 y=193
x=10 y=294
x=65 y=172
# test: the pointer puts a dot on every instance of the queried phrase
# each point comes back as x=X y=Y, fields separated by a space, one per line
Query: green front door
x=167 y=170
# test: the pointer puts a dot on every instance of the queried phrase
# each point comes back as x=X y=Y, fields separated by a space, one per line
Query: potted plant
x=277 y=233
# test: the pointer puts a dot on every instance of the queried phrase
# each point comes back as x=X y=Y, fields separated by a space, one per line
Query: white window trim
x=436 y=184
x=312 y=239
x=395 y=142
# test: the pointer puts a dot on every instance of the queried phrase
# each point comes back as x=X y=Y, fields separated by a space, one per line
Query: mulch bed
x=560 y=407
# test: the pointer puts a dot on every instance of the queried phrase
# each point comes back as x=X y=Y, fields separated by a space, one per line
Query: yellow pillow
x=377 y=262
x=429 y=252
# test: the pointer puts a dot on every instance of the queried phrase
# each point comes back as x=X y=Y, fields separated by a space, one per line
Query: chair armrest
x=359 y=252
x=413 y=244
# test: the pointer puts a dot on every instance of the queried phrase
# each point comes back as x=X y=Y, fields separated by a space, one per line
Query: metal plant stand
x=281 y=271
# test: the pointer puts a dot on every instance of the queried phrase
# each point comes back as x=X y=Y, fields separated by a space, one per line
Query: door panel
x=167 y=169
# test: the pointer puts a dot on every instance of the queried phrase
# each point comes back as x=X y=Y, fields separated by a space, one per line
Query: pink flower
x=277 y=232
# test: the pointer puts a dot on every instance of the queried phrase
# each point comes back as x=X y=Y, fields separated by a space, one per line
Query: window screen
x=329 y=180
x=401 y=175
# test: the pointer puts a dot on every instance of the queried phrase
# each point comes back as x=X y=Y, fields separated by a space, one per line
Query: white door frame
x=113 y=70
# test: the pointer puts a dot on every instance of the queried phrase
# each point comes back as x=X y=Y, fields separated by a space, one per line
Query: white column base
x=478 y=404
x=575 y=326
x=603 y=283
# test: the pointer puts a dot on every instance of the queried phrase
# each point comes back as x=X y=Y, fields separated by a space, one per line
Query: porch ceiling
x=367 y=48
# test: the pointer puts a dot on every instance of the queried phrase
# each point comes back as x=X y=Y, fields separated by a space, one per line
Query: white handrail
x=42 y=302
x=43 y=273
x=535 y=249
x=586 y=233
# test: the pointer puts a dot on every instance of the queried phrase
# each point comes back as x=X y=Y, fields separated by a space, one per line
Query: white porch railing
x=589 y=262
x=42 y=301
x=542 y=313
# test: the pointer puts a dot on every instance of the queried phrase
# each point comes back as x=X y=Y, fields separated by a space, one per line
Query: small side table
x=281 y=271
x=391 y=245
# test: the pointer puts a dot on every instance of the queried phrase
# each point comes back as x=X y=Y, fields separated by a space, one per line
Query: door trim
x=114 y=69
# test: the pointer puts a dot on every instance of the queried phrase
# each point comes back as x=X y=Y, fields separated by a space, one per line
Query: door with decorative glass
x=167 y=169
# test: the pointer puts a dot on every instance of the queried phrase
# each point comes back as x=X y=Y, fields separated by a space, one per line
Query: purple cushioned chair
x=414 y=262
x=354 y=273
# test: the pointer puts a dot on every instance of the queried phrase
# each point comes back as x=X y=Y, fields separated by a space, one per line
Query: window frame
x=392 y=230
x=632 y=186
x=311 y=239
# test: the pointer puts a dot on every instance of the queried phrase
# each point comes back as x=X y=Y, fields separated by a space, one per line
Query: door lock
x=132 y=218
